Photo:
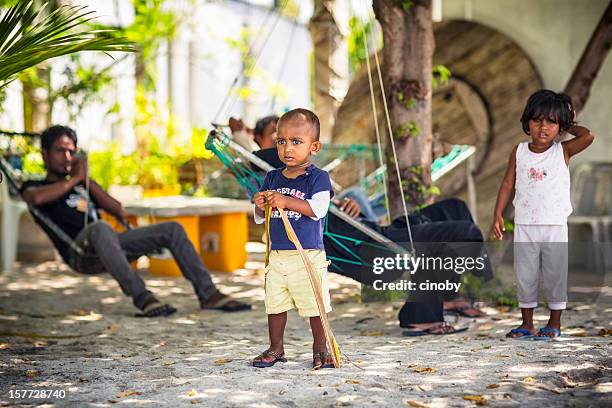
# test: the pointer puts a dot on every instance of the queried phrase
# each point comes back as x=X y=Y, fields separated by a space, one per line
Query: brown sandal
x=322 y=356
x=269 y=353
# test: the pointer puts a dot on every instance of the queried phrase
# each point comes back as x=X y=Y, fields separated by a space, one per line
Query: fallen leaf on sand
x=375 y=333
x=424 y=387
x=529 y=379
x=31 y=373
x=417 y=404
x=192 y=393
x=518 y=353
x=491 y=386
x=222 y=361
x=349 y=381
x=124 y=394
x=502 y=356
x=478 y=399
x=424 y=370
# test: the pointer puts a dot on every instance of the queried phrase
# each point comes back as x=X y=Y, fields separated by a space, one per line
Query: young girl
x=538 y=176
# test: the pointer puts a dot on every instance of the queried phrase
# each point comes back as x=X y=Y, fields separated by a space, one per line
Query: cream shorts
x=288 y=286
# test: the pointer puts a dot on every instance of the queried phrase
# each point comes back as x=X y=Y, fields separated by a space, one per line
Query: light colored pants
x=541 y=251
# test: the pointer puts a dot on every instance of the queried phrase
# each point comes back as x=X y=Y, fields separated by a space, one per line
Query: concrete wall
x=553 y=34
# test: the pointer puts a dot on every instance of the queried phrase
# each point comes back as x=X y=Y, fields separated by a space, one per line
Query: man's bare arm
x=105 y=201
x=45 y=194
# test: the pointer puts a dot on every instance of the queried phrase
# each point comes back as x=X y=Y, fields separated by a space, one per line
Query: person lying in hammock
x=64 y=198
x=446 y=221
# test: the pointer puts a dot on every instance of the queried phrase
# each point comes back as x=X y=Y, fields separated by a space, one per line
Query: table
x=217 y=227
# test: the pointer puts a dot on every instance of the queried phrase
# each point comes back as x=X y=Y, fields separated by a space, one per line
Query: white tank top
x=542 y=188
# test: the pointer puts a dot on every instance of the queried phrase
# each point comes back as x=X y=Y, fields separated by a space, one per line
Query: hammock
x=240 y=162
x=78 y=257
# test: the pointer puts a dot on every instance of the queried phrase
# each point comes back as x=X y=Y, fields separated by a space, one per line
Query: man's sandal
x=437 y=330
x=269 y=353
x=226 y=304
x=322 y=356
x=156 y=309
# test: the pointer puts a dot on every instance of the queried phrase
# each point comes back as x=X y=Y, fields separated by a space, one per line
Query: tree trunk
x=37 y=106
x=579 y=85
x=407 y=75
x=330 y=63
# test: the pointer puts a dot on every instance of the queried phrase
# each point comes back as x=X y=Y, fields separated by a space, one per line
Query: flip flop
x=156 y=309
x=446 y=329
x=541 y=336
x=269 y=353
x=227 y=304
x=526 y=334
x=462 y=311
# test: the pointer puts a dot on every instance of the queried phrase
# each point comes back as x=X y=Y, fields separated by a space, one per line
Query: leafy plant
x=355 y=40
x=29 y=35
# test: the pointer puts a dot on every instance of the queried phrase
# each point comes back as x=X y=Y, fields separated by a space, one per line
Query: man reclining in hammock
x=446 y=221
x=63 y=197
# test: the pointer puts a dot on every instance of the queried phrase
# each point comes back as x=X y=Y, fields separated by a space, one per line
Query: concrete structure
x=553 y=34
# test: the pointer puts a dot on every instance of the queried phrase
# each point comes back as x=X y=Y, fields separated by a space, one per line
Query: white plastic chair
x=10 y=213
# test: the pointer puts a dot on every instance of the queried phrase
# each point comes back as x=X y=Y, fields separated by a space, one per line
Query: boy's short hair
x=303 y=114
x=263 y=123
x=50 y=135
x=545 y=103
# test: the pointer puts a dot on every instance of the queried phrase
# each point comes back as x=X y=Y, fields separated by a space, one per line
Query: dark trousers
x=112 y=250
x=446 y=221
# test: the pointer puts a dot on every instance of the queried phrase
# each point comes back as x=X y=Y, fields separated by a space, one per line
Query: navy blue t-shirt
x=303 y=187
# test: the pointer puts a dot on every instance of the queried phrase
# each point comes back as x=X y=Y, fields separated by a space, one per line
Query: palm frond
x=29 y=36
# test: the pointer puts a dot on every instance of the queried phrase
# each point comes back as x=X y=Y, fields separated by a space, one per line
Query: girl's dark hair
x=50 y=135
x=263 y=123
x=556 y=107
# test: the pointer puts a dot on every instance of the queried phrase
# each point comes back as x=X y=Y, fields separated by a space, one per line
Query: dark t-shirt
x=303 y=187
x=68 y=211
x=270 y=156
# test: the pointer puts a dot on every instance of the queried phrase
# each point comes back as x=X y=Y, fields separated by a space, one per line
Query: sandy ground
x=60 y=330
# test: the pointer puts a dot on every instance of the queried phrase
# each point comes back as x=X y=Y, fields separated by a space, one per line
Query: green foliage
x=359 y=32
x=406 y=4
x=474 y=288
x=405 y=130
x=440 y=75
x=30 y=35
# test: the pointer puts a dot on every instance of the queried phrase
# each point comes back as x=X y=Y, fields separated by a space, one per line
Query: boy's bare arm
x=583 y=139
x=506 y=191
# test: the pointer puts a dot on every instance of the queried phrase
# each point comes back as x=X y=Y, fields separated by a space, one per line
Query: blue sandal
x=541 y=336
x=525 y=334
